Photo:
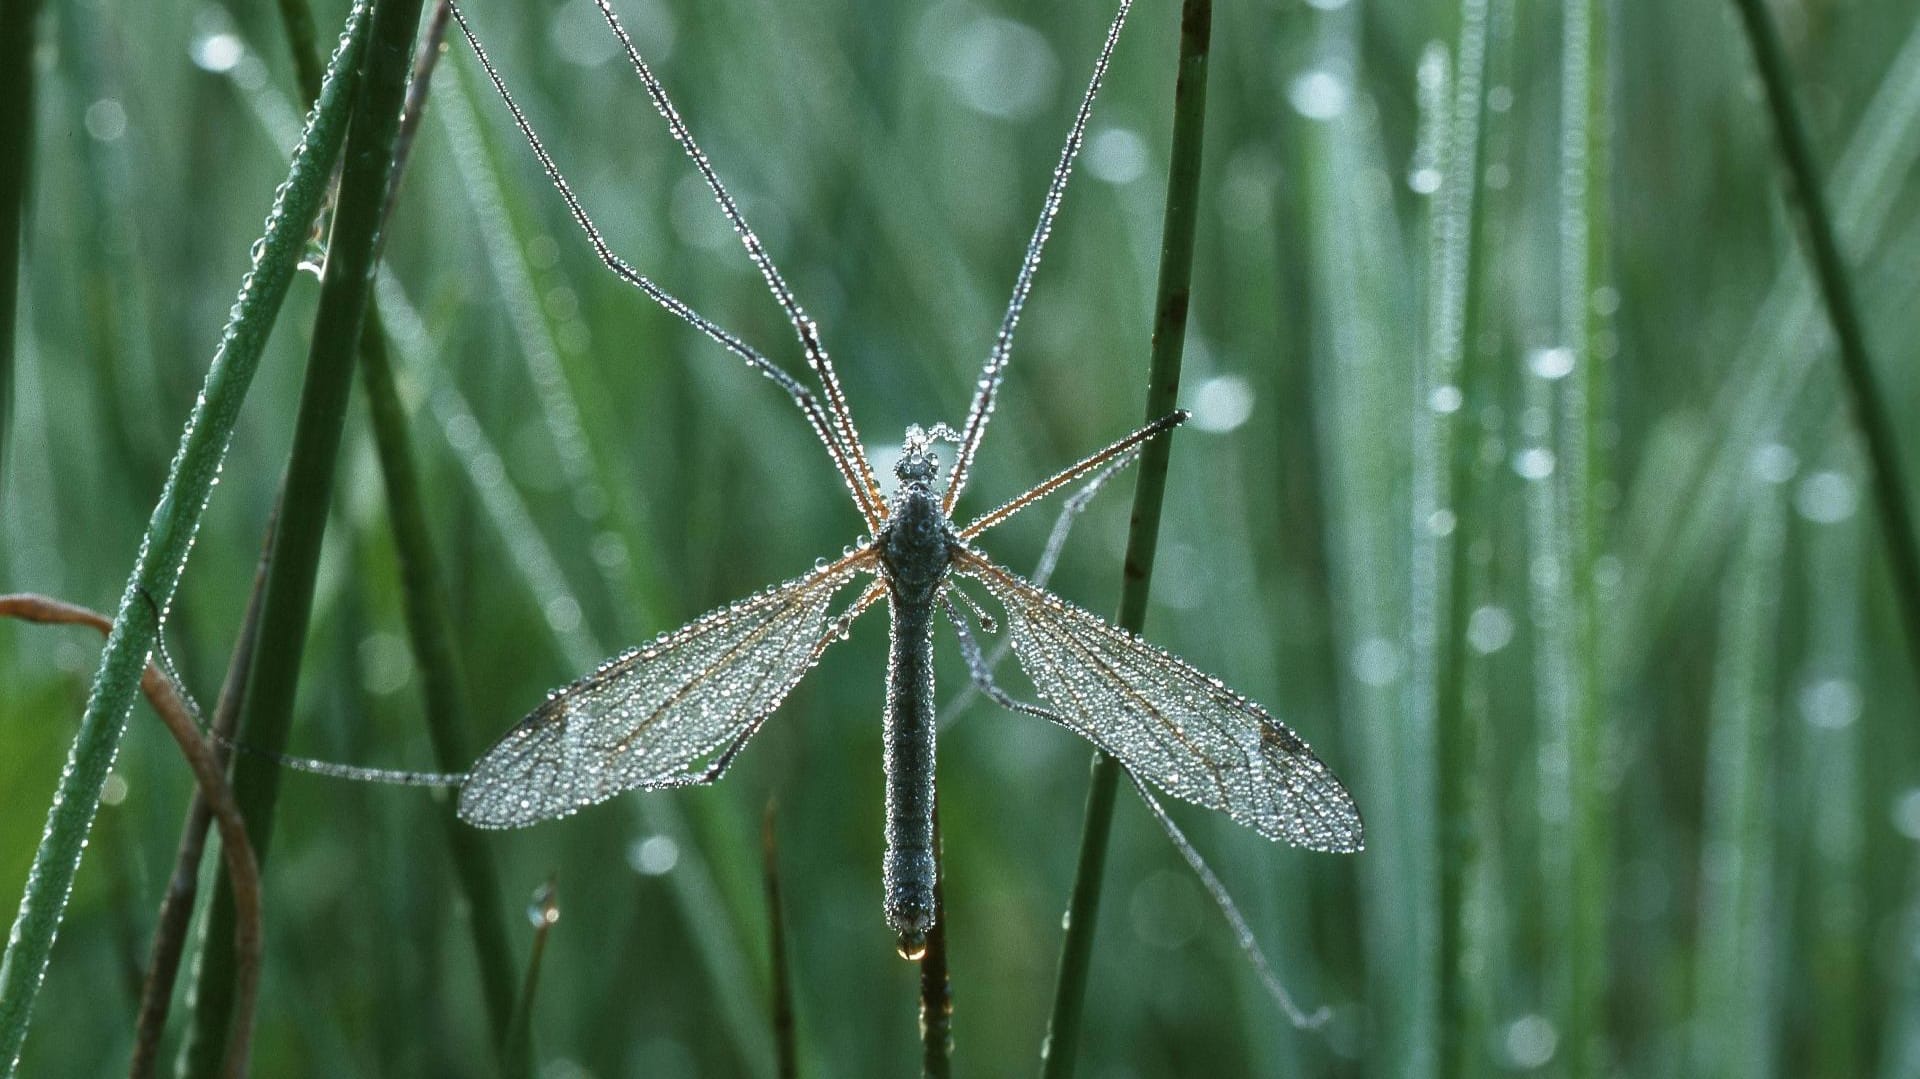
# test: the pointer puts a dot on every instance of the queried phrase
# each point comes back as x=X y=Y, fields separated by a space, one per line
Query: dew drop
x=217 y=53
x=1319 y=95
x=1551 y=363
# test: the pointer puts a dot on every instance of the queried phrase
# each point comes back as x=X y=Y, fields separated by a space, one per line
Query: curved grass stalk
x=168 y=538
x=1059 y=1054
x=169 y=701
x=287 y=603
x=183 y=888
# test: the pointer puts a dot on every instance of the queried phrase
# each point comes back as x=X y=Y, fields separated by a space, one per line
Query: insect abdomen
x=910 y=866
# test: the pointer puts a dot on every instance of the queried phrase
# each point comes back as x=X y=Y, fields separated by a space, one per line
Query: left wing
x=667 y=714
x=1169 y=723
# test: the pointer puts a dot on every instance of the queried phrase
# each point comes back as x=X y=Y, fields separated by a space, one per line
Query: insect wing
x=1169 y=723
x=666 y=714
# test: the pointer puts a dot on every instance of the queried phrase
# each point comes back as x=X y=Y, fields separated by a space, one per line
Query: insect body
x=916 y=551
x=677 y=711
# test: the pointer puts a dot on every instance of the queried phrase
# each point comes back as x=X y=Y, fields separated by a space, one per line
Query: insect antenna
x=996 y=366
x=865 y=496
x=803 y=326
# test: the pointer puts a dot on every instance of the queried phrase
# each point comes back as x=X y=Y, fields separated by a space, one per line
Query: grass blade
x=1736 y=1017
x=1831 y=790
x=169 y=702
x=17 y=18
x=424 y=598
x=1870 y=411
x=786 y=1049
x=1585 y=120
x=1060 y=1052
x=1438 y=592
x=164 y=547
x=1361 y=364
x=287 y=604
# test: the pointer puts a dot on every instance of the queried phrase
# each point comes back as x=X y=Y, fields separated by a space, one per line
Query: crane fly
x=677 y=711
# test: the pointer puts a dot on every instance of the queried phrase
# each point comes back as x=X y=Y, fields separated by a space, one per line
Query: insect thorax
x=916 y=544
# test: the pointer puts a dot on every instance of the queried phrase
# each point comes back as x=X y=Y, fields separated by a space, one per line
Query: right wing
x=667 y=714
x=1169 y=723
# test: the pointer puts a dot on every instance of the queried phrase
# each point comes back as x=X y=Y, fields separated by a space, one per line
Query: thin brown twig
x=242 y=868
x=183 y=887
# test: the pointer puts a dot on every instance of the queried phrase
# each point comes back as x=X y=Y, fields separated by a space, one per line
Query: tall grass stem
x=287 y=604
x=1060 y=1053
x=424 y=599
x=786 y=1052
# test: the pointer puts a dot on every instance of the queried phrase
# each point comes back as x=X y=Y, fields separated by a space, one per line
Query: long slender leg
x=981 y=673
x=1242 y=932
x=1074 y=472
x=871 y=507
x=996 y=366
x=983 y=680
x=1070 y=510
x=803 y=326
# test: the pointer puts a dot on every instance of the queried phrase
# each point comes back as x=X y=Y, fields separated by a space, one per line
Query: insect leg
x=871 y=507
x=980 y=669
x=1121 y=454
x=1242 y=932
x=996 y=366
x=803 y=326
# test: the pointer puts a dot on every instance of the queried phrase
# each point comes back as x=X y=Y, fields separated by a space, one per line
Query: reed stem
x=288 y=600
x=1059 y=1054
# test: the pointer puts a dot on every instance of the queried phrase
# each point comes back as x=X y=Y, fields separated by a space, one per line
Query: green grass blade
x=1870 y=410
x=1440 y=730
x=1361 y=367
x=424 y=598
x=1580 y=476
x=1831 y=787
x=1736 y=1017
x=1060 y=1053
x=168 y=537
x=17 y=37
x=286 y=606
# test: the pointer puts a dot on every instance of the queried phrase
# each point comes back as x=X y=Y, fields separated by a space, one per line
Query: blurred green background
x=598 y=473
